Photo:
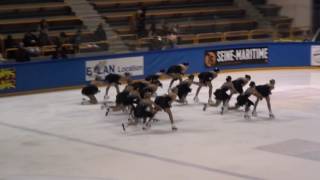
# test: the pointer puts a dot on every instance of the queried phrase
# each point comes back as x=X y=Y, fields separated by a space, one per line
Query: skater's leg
x=168 y=111
x=246 y=111
x=180 y=78
x=196 y=99
x=224 y=106
x=147 y=124
x=184 y=100
x=210 y=93
x=117 y=88
x=271 y=115
x=93 y=99
x=107 y=91
x=254 y=112
x=171 y=83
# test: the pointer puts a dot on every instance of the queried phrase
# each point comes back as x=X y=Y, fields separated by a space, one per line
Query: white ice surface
x=51 y=136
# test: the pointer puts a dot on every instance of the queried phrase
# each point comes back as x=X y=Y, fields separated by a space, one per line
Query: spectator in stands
x=171 y=40
x=77 y=39
x=175 y=29
x=63 y=38
x=165 y=30
x=9 y=43
x=100 y=33
x=30 y=42
x=34 y=51
x=43 y=25
x=22 y=54
x=30 y=39
x=172 y=37
x=156 y=43
x=152 y=30
x=59 y=53
x=132 y=23
x=43 y=38
x=60 y=50
x=141 y=21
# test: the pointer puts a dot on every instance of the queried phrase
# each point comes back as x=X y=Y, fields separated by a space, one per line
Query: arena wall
x=51 y=74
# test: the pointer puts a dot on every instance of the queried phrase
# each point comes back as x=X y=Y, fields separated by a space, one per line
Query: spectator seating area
x=281 y=24
x=197 y=20
x=17 y=17
x=170 y=21
x=271 y=12
x=193 y=17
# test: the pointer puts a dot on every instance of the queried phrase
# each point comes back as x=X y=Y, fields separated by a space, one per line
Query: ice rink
x=50 y=136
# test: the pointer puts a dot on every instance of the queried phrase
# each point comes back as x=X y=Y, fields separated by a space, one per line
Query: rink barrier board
x=78 y=87
x=58 y=74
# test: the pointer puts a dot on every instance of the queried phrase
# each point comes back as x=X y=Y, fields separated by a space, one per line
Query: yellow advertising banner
x=7 y=79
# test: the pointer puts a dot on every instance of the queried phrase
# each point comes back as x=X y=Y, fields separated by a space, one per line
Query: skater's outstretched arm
x=107 y=90
x=171 y=83
x=180 y=78
x=269 y=107
x=117 y=88
x=255 y=107
x=197 y=93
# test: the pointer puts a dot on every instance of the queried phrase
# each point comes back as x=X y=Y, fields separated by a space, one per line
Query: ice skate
x=146 y=126
x=123 y=127
x=185 y=102
x=222 y=110
x=85 y=101
x=271 y=116
x=174 y=128
x=204 y=107
x=107 y=112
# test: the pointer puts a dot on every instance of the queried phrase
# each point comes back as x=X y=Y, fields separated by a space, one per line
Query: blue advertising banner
x=50 y=74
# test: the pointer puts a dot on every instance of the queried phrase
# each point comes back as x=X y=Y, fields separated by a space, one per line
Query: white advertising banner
x=315 y=55
x=101 y=68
